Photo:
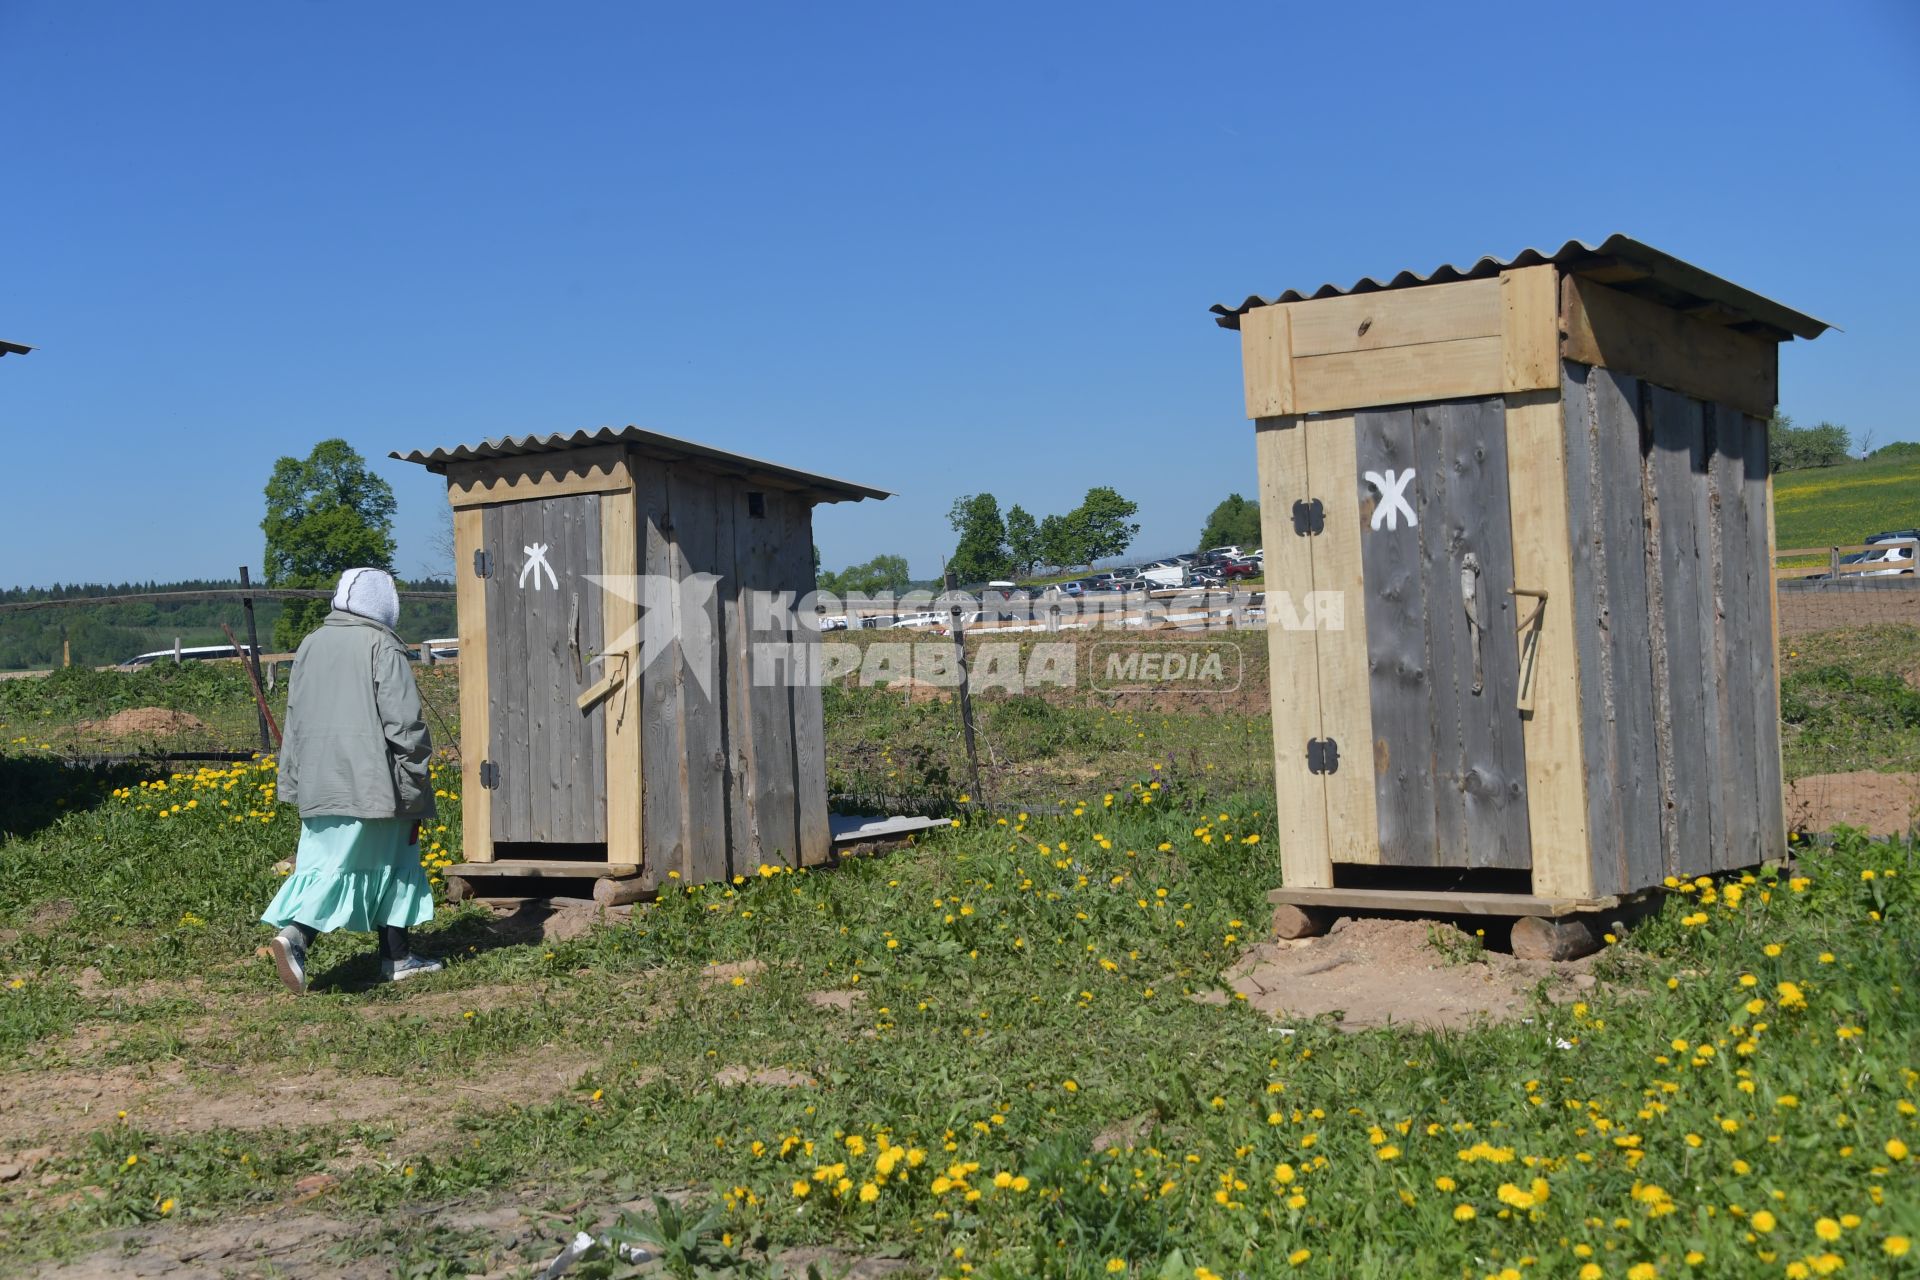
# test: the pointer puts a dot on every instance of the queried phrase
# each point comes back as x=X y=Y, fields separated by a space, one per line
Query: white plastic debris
x=583 y=1245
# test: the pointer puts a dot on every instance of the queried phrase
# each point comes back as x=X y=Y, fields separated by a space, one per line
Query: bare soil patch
x=141 y=722
x=1374 y=973
x=763 y=1077
x=841 y=1000
x=76 y=1096
x=1880 y=804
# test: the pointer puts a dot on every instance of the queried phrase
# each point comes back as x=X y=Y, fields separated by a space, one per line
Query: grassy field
x=1008 y=1050
x=1838 y=506
x=978 y=1056
x=1851 y=700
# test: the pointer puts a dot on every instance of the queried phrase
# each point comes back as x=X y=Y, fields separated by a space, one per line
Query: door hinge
x=489 y=775
x=1323 y=755
x=1309 y=517
x=482 y=564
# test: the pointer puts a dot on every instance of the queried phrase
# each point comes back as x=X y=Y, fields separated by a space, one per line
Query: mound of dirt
x=1881 y=804
x=1373 y=973
x=142 y=722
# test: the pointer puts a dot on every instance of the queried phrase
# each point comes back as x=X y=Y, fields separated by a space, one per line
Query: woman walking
x=355 y=762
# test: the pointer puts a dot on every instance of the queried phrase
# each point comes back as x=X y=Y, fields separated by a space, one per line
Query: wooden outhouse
x=1518 y=526
x=628 y=646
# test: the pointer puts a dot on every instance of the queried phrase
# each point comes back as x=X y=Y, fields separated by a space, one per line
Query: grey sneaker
x=290 y=958
x=412 y=967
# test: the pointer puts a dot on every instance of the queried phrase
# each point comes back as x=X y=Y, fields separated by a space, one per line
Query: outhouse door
x=545 y=761
x=1403 y=535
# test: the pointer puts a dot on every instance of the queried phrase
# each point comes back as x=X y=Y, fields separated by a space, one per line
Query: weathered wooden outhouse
x=1538 y=494
x=628 y=644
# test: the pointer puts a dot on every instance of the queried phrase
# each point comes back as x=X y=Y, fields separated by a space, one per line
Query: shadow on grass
x=36 y=791
x=461 y=941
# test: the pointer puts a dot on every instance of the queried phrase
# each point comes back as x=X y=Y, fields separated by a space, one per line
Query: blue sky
x=936 y=250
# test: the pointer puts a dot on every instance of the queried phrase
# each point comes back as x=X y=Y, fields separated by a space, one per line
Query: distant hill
x=1838 y=506
x=104 y=634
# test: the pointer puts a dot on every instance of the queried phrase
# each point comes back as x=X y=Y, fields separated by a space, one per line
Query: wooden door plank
x=1676 y=474
x=470 y=602
x=1543 y=561
x=770 y=722
x=662 y=759
x=1734 y=555
x=813 y=832
x=1777 y=838
x=1763 y=686
x=1616 y=403
x=1400 y=683
x=697 y=614
x=744 y=808
x=619 y=619
x=1492 y=775
x=507 y=676
x=1300 y=797
x=589 y=769
x=1436 y=498
x=542 y=524
x=1346 y=704
x=1586 y=538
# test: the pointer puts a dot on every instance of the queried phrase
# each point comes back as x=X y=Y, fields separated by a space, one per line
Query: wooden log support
x=1557 y=938
x=611 y=892
x=1290 y=921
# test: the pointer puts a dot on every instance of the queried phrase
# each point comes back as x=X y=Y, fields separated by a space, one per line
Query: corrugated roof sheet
x=13 y=348
x=825 y=488
x=1619 y=261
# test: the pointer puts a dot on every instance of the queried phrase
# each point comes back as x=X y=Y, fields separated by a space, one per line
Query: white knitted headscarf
x=371 y=594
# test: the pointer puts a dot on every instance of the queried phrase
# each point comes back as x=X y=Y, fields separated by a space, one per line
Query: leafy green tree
x=882 y=573
x=1100 y=527
x=982 y=550
x=326 y=513
x=1794 y=448
x=1024 y=548
x=1235 y=522
x=1058 y=545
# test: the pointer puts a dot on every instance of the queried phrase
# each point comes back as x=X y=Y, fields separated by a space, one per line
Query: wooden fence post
x=253 y=659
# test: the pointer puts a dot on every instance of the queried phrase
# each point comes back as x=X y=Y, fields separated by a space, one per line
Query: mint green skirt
x=354 y=873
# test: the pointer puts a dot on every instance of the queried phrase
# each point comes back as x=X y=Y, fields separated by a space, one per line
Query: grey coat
x=355 y=746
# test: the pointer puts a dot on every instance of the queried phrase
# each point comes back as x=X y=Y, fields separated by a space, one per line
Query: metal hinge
x=482 y=564
x=489 y=774
x=1323 y=755
x=1309 y=517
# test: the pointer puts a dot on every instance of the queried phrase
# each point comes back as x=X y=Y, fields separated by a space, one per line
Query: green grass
x=1025 y=987
x=1851 y=700
x=1838 y=506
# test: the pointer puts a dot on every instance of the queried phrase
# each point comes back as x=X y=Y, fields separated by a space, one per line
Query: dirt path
x=1373 y=973
x=1881 y=804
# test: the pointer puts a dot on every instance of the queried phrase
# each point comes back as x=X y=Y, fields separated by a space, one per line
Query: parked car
x=833 y=622
x=1234 y=567
x=1216 y=552
x=192 y=653
x=1895 y=535
x=1065 y=589
x=1890 y=559
x=920 y=621
x=1164 y=574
